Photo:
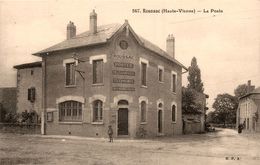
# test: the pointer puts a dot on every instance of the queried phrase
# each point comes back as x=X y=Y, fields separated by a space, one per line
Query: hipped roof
x=103 y=35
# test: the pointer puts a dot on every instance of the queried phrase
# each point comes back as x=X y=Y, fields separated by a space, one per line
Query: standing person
x=110 y=133
x=240 y=127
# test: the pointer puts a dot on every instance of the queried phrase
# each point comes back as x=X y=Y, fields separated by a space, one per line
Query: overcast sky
x=226 y=45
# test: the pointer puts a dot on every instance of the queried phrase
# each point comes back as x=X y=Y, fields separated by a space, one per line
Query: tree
x=225 y=106
x=194 y=77
x=241 y=90
x=189 y=106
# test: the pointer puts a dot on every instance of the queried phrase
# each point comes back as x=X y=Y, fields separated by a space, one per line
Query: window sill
x=161 y=82
x=99 y=84
x=70 y=86
x=174 y=122
x=97 y=123
x=71 y=122
x=143 y=123
x=174 y=93
x=143 y=86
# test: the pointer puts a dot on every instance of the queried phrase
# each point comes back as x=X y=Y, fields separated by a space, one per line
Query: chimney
x=71 y=30
x=170 y=45
x=93 y=22
x=250 y=87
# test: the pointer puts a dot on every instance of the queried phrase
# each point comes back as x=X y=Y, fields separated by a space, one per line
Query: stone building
x=109 y=75
x=29 y=87
x=249 y=108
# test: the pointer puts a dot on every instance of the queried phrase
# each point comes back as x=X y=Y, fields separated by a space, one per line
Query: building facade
x=111 y=76
x=29 y=87
x=249 y=109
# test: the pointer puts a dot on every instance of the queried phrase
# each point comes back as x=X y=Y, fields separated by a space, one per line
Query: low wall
x=192 y=127
x=20 y=128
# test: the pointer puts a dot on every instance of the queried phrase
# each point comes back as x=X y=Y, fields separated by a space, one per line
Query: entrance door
x=123 y=121
x=160 y=121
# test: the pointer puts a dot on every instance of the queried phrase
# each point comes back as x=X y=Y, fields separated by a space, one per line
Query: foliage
x=189 y=105
x=194 y=77
x=11 y=117
x=225 y=106
x=240 y=90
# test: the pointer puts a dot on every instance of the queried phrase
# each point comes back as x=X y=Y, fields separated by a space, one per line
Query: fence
x=22 y=128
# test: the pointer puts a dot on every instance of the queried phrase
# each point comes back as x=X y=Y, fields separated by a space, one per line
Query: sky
x=226 y=44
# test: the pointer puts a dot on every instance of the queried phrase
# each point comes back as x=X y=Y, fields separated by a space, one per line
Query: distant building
x=29 y=87
x=7 y=101
x=195 y=122
x=249 y=109
x=109 y=75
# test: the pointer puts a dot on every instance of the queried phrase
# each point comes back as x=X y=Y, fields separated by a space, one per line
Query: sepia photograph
x=128 y=82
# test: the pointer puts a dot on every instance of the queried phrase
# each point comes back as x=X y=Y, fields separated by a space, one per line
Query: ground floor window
x=70 y=111
x=97 y=111
x=143 y=111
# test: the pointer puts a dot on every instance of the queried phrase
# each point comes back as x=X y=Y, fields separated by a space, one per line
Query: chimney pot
x=93 y=22
x=170 y=45
x=71 y=30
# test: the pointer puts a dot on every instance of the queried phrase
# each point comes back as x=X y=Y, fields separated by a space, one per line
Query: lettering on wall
x=123 y=73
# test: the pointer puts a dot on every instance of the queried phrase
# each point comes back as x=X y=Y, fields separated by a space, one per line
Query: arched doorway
x=122 y=121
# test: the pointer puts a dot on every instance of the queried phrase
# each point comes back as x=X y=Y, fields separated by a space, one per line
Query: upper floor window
x=143 y=71
x=160 y=73
x=70 y=111
x=143 y=74
x=97 y=111
x=174 y=113
x=98 y=71
x=70 y=74
x=31 y=94
x=173 y=82
x=143 y=111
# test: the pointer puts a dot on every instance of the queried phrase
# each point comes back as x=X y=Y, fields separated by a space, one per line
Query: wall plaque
x=123 y=81
x=123 y=65
x=120 y=72
x=123 y=89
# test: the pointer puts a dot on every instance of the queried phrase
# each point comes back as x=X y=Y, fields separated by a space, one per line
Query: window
x=160 y=73
x=97 y=71
x=49 y=116
x=70 y=74
x=31 y=94
x=174 y=111
x=143 y=73
x=143 y=111
x=70 y=111
x=174 y=82
x=31 y=72
x=97 y=111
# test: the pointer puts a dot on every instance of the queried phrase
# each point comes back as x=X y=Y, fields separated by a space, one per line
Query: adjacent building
x=249 y=109
x=109 y=75
x=29 y=88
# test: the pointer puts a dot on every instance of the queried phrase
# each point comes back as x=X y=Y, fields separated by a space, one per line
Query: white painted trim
x=98 y=57
x=123 y=97
x=174 y=73
x=159 y=101
x=51 y=109
x=70 y=60
x=176 y=109
x=70 y=97
x=142 y=60
x=145 y=99
x=91 y=101
x=97 y=97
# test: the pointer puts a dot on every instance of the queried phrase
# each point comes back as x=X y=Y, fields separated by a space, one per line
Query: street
x=224 y=146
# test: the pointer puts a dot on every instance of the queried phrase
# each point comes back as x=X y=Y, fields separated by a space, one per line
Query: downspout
x=44 y=113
